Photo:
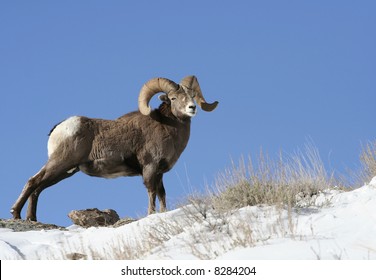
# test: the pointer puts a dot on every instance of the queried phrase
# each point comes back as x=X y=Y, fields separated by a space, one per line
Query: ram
x=145 y=142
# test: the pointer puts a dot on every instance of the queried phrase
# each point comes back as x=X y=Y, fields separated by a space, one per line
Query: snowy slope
x=342 y=225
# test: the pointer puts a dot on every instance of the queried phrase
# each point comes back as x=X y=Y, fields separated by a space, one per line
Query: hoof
x=31 y=219
x=16 y=215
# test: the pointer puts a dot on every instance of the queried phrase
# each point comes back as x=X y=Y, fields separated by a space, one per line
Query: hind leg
x=31 y=213
x=49 y=175
x=30 y=186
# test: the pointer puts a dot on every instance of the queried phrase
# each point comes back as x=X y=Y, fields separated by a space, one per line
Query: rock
x=23 y=225
x=94 y=217
x=76 y=256
x=123 y=222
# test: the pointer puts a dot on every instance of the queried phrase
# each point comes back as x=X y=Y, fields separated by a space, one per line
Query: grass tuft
x=282 y=181
x=368 y=161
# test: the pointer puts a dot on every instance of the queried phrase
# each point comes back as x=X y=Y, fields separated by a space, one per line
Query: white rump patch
x=64 y=130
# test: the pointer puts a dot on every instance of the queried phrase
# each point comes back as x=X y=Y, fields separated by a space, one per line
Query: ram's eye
x=173 y=98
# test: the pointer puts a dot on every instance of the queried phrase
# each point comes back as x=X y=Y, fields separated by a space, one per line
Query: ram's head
x=180 y=96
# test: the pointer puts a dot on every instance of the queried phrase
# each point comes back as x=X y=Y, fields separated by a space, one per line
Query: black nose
x=192 y=107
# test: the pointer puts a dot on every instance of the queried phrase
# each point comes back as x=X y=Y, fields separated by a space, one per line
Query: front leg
x=161 y=195
x=153 y=183
x=152 y=198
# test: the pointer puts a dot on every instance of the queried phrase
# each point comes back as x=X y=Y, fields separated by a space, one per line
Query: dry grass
x=366 y=171
x=282 y=181
x=368 y=162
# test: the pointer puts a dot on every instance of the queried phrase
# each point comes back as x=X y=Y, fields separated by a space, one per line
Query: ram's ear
x=164 y=98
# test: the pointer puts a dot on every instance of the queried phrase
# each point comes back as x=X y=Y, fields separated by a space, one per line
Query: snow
x=341 y=225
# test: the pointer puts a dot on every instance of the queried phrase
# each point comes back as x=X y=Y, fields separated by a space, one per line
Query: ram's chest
x=170 y=155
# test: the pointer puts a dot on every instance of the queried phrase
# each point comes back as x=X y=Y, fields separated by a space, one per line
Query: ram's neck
x=165 y=110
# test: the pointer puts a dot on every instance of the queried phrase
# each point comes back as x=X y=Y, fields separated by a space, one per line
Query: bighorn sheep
x=145 y=142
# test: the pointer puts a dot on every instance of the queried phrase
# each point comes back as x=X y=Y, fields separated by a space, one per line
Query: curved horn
x=191 y=83
x=152 y=87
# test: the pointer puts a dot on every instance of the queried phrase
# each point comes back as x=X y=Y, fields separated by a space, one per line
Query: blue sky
x=283 y=72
